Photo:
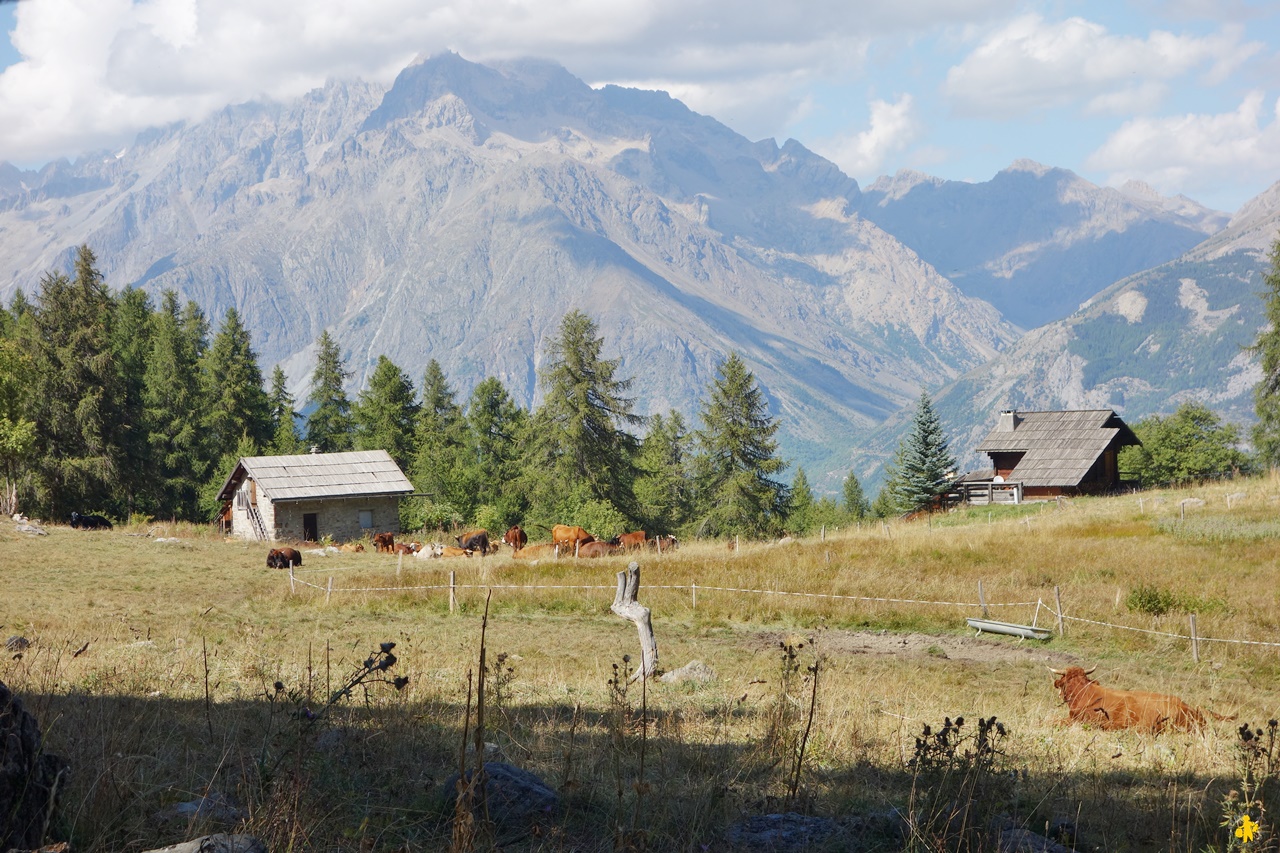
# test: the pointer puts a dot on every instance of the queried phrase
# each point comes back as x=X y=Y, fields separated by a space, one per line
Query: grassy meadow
x=202 y=671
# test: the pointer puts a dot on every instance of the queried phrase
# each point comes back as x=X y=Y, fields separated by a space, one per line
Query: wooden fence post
x=399 y=565
x=453 y=591
x=982 y=599
x=292 y=589
x=1195 y=641
x=824 y=533
x=695 y=596
x=1057 y=600
x=329 y=590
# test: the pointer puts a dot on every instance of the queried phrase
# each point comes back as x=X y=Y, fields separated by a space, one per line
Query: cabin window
x=366 y=519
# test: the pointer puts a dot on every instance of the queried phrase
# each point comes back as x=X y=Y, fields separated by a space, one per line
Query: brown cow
x=567 y=537
x=1088 y=702
x=662 y=544
x=633 y=541
x=409 y=548
x=515 y=537
x=384 y=542
x=450 y=551
x=537 y=551
x=351 y=548
x=475 y=540
x=598 y=549
x=282 y=558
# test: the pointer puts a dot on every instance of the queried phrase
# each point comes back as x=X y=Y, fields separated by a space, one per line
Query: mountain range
x=460 y=212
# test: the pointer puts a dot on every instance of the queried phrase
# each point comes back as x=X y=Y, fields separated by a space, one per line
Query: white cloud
x=1030 y=64
x=94 y=72
x=1195 y=153
x=893 y=127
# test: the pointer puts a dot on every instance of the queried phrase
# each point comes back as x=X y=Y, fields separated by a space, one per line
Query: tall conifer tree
x=737 y=455
x=131 y=343
x=440 y=441
x=180 y=454
x=237 y=405
x=385 y=412
x=1266 y=395
x=856 y=505
x=285 y=440
x=923 y=466
x=662 y=489
x=329 y=428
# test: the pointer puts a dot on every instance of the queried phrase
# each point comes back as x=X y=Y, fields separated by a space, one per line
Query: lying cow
x=282 y=558
x=1088 y=702
x=89 y=522
x=351 y=548
x=430 y=551
x=536 y=552
x=598 y=549
x=409 y=548
x=475 y=540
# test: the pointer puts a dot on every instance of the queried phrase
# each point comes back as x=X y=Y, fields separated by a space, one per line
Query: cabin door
x=310 y=528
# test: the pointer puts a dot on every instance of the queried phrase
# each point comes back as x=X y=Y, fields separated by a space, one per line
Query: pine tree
x=495 y=426
x=285 y=440
x=131 y=343
x=76 y=393
x=923 y=466
x=329 y=428
x=855 y=500
x=17 y=429
x=736 y=456
x=238 y=406
x=180 y=459
x=800 y=511
x=662 y=488
x=385 y=412
x=1266 y=395
x=440 y=438
x=582 y=449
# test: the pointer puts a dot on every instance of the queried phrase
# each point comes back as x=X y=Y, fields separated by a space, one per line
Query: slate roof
x=320 y=475
x=1059 y=447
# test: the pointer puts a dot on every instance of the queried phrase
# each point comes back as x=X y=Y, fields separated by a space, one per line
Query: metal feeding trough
x=1026 y=632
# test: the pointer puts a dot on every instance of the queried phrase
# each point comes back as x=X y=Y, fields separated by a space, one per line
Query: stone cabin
x=310 y=496
x=1047 y=454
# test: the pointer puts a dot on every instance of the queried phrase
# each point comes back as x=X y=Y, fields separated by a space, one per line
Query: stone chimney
x=1008 y=421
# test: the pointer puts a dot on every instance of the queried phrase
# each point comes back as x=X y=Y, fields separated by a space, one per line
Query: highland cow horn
x=1090 y=669
x=1056 y=671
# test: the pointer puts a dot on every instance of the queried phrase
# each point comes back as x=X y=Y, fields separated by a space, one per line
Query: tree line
x=115 y=404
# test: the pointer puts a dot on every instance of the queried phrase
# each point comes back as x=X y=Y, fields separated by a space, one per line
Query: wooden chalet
x=1039 y=455
x=309 y=496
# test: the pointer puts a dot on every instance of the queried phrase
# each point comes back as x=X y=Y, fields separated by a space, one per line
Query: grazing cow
x=89 y=522
x=384 y=542
x=475 y=540
x=351 y=548
x=633 y=541
x=598 y=549
x=1088 y=702
x=662 y=544
x=536 y=551
x=515 y=537
x=282 y=558
x=450 y=551
x=409 y=548
x=567 y=537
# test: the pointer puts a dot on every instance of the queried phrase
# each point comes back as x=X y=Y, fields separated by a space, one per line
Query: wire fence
x=453 y=588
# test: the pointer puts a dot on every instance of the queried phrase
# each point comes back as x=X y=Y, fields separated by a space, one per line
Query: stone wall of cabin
x=241 y=526
x=336 y=517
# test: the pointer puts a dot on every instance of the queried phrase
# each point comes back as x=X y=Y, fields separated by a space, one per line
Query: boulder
x=782 y=833
x=694 y=671
x=214 y=807
x=219 y=843
x=29 y=776
x=515 y=797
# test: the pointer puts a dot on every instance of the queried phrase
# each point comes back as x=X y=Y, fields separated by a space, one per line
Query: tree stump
x=626 y=606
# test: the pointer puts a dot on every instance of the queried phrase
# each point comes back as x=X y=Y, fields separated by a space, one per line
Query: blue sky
x=1181 y=94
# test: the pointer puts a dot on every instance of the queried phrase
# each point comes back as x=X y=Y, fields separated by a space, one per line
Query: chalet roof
x=1058 y=448
x=320 y=475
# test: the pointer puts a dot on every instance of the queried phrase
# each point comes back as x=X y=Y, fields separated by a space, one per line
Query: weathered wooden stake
x=329 y=590
x=399 y=564
x=1057 y=601
x=292 y=589
x=982 y=599
x=824 y=533
x=1141 y=508
x=695 y=596
x=453 y=591
x=737 y=543
x=626 y=606
x=1195 y=641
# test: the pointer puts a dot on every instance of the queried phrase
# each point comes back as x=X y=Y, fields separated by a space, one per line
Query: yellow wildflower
x=1248 y=826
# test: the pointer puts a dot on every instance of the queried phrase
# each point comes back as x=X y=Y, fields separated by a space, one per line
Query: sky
x=1181 y=94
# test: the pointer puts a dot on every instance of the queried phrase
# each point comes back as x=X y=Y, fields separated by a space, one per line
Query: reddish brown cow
x=663 y=543
x=1088 y=702
x=632 y=541
x=409 y=548
x=351 y=548
x=450 y=551
x=384 y=542
x=515 y=537
x=567 y=537
x=536 y=551
x=598 y=549
x=282 y=558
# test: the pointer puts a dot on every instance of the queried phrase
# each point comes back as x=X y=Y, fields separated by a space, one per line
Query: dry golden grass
x=174 y=695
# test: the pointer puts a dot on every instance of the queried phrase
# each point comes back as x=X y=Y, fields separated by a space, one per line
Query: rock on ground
x=695 y=671
x=220 y=843
x=28 y=776
x=514 y=796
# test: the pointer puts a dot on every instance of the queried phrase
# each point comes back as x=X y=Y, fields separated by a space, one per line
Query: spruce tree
x=131 y=343
x=663 y=489
x=285 y=440
x=855 y=500
x=582 y=449
x=180 y=454
x=440 y=440
x=737 y=454
x=17 y=429
x=237 y=405
x=76 y=393
x=385 y=412
x=329 y=429
x=924 y=466
x=803 y=505
x=1266 y=395
x=495 y=426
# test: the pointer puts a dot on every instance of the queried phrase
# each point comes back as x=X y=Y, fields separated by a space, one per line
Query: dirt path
x=984 y=649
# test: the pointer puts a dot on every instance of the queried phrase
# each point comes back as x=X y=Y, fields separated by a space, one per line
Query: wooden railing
x=987 y=492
